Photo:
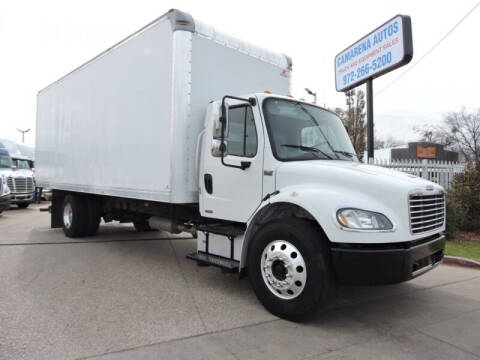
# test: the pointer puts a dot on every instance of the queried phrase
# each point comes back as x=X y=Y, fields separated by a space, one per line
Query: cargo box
x=126 y=123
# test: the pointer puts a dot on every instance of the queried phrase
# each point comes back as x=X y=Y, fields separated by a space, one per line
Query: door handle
x=208 y=183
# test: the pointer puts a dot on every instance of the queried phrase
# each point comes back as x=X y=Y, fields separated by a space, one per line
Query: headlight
x=363 y=220
x=6 y=189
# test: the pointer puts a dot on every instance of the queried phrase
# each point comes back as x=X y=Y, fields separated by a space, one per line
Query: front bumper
x=22 y=198
x=4 y=202
x=377 y=264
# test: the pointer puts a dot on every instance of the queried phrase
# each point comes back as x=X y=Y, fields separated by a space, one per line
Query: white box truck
x=171 y=129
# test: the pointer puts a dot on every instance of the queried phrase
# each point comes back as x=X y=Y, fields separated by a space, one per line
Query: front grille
x=427 y=212
x=20 y=184
x=10 y=183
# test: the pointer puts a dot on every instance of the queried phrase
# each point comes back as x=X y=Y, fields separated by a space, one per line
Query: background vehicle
x=270 y=185
x=20 y=180
x=4 y=194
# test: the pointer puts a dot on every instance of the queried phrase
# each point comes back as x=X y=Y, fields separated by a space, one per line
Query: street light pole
x=23 y=133
x=314 y=94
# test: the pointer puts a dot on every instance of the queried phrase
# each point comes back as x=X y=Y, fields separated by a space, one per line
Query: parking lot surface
x=126 y=295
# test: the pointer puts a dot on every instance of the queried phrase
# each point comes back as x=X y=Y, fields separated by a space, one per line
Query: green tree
x=353 y=117
x=463 y=200
x=460 y=131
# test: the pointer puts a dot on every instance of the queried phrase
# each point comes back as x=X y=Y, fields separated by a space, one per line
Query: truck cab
x=5 y=170
x=18 y=177
x=279 y=163
x=22 y=182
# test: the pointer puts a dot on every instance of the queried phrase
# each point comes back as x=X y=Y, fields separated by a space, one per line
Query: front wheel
x=289 y=269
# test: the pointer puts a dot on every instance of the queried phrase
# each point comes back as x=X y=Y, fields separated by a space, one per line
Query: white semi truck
x=171 y=129
x=15 y=168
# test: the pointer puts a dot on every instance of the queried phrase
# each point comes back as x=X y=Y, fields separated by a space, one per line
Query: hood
x=331 y=169
x=16 y=173
x=324 y=186
x=347 y=176
x=22 y=173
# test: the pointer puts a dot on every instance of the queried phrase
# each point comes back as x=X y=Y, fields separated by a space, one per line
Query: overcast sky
x=42 y=40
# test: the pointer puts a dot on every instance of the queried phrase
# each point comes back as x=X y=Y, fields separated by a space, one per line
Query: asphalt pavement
x=128 y=295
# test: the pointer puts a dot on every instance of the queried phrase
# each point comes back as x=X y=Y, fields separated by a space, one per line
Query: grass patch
x=465 y=245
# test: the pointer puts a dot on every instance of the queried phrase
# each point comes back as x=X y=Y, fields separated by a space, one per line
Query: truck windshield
x=22 y=164
x=300 y=131
x=5 y=161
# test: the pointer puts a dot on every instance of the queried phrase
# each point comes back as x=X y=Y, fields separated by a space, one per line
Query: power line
x=431 y=49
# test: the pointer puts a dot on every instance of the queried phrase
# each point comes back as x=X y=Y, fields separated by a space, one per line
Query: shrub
x=463 y=201
x=451 y=225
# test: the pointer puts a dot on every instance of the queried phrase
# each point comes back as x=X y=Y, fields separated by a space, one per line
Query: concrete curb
x=460 y=261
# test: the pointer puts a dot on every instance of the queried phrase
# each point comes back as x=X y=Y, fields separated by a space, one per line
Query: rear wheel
x=289 y=269
x=74 y=216
x=94 y=212
x=23 y=205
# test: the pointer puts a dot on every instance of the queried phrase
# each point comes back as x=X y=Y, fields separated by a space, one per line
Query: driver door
x=231 y=193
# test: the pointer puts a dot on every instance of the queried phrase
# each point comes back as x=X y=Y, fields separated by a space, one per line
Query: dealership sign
x=384 y=49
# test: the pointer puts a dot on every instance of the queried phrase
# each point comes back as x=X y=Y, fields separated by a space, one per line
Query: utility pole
x=23 y=133
x=314 y=94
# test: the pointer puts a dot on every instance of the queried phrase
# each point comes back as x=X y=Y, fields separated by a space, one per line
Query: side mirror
x=216 y=147
x=217 y=128
x=14 y=167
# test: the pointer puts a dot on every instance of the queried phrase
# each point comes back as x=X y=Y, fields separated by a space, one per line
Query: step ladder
x=204 y=258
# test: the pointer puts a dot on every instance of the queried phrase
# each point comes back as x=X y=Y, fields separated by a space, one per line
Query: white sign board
x=384 y=49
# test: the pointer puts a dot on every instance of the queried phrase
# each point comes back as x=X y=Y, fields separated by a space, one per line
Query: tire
x=142 y=226
x=300 y=259
x=94 y=213
x=23 y=205
x=74 y=216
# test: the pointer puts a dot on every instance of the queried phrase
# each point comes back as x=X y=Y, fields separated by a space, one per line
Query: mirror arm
x=223 y=119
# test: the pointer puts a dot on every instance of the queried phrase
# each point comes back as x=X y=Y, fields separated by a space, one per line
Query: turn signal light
x=267 y=92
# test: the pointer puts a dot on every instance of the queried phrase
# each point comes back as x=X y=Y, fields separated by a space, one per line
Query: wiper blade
x=318 y=127
x=346 y=153
x=309 y=149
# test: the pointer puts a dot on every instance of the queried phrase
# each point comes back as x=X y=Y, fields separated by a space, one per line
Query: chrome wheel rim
x=283 y=269
x=67 y=215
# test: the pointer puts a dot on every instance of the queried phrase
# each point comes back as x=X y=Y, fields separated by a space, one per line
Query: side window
x=242 y=135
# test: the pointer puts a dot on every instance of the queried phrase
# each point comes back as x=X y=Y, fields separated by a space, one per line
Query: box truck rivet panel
x=171 y=129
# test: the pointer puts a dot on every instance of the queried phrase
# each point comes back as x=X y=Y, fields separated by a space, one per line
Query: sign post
x=386 y=48
x=369 y=119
